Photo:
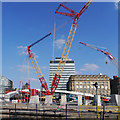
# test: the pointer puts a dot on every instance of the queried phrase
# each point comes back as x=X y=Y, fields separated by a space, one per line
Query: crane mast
x=70 y=38
x=65 y=53
x=111 y=58
x=36 y=66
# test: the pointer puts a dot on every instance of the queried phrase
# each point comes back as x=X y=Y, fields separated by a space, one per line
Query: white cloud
x=88 y=67
x=78 y=72
x=116 y=4
x=32 y=79
x=44 y=67
x=24 y=68
x=22 y=50
x=59 y=43
x=23 y=47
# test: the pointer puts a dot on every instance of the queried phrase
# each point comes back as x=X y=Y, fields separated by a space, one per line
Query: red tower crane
x=65 y=53
x=67 y=47
x=111 y=58
x=36 y=66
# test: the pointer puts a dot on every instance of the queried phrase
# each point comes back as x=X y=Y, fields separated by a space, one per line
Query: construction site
x=65 y=95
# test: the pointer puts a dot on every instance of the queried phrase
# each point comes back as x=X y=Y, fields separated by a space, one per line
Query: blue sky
x=24 y=23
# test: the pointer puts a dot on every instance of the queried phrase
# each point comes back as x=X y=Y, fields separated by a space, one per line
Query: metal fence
x=101 y=111
x=56 y=111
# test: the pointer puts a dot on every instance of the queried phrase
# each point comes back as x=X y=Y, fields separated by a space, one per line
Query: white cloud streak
x=44 y=67
x=59 y=43
x=32 y=79
x=24 y=68
x=22 y=50
x=89 y=67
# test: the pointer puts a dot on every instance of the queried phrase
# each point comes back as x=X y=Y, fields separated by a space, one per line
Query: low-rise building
x=85 y=84
x=115 y=85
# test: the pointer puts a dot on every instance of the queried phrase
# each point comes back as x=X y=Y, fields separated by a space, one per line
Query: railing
x=101 y=111
x=66 y=112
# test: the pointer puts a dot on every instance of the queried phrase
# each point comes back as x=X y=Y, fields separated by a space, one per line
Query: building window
x=102 y=86
x=106 y=87
x=76 y=82
x=80 y=86
x=91 y=82
x=91 y=87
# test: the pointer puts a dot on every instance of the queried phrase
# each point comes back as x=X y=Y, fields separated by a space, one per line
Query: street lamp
x=96 y=86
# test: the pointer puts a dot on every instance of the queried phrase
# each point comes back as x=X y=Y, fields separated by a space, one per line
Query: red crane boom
x=36 y=66
x=67 y=47
x=65 y=53
x=112 y=58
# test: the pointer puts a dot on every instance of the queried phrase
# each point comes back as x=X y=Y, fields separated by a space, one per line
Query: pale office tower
x=69 y=69
x=5 y=84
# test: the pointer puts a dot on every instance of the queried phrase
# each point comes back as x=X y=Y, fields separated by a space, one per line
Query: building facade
x=84 y=84
x=5 y=84
x=115 y=85
x=69 y=69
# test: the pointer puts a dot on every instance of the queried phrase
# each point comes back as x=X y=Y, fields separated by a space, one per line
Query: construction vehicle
x=111 y=58
x=65 y=53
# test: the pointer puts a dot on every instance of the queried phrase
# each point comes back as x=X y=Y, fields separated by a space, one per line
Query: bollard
x=55 y=115
x=36 y=112
x=97 y=111
x=15 y=111
x=103 y=111
x=100 y=115
x=66 y=111
x=118 y=112
x=9 y=114
x=79 y=110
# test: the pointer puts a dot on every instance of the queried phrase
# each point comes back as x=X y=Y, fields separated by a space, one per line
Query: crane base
x=48 y=100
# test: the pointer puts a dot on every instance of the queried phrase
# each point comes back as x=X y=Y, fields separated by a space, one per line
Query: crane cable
x=54 y=35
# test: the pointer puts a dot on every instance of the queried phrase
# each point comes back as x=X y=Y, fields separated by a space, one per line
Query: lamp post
x=96 y=86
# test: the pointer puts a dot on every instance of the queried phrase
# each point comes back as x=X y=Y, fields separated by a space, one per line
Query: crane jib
x=39 y=40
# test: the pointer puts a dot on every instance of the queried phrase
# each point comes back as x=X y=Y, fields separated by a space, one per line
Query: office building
x=5 y=84
x=84 y=84
x=69 y=69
